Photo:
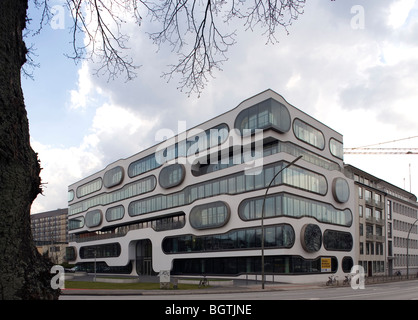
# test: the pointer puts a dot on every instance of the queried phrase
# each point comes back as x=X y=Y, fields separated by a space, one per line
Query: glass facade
x=275 y=236
x=107 y=250
x=113 y=177
x=268 y=150
x=76 y=223
x=210 y=215
x=115 y=213
x=283 y=264
x=336 y=148
x=233 y=184
x=289 y=205
x=129 y=190
x=338 y=240
x=89 y=187
x=308 y=134
x=269 y=114
x=203 y=220
x=71 y=195
x=202 y=141
x=172 y=176
x=340 y=190
x=94 y=218
x=143 y=165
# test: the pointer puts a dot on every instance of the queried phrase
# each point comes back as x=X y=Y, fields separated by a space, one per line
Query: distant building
x=386 y=213
x=193 y=204
x=50 y=233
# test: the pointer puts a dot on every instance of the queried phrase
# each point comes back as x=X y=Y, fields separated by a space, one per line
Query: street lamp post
x=407 y=250
x=262 y=218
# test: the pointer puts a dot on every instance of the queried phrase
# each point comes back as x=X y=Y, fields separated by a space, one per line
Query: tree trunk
x=24 y=273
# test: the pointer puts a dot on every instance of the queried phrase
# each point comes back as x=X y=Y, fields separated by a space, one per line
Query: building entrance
x=144 y=258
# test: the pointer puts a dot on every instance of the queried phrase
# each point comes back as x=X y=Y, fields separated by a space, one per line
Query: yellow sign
x=325 y=264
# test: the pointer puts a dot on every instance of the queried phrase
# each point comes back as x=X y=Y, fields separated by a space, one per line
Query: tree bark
x=24 y=273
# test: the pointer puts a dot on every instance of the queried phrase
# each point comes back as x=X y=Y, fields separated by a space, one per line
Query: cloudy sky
x=353 y=65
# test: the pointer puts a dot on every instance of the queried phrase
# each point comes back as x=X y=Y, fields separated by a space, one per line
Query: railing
x=386 y=278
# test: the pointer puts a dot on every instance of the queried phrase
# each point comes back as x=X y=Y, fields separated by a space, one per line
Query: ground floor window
x=102 y=267
x=285 y=264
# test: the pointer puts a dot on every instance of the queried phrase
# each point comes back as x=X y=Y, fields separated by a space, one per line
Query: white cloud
x=399 y=12
x=60 y=167
x=80 y=97
x=359 y=82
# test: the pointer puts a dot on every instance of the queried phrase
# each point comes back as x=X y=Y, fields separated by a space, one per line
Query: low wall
x=217 y=283
x=117 y=280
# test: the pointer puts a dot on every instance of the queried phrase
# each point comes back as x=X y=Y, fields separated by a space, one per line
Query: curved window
x=284 y=204
x=336 y=148
x=115 y=213
x=268 y=149
x=113 y=177
x=275 y=236
x=340 y=190
x=203 y=141
x=308 y=134
x=233 y=184
x=129 y=190
x=76 y=223
x=264 y=115
x=176 y=221
x=103 y=267
x=89 y=187
x=338 y=240
x=94 y=218
x=210 y=215
x=70 y=195
x=143 y=165
x=109 y=250
x=311 y=238
x=172 y=176
x=280 y=264
x=347 y=264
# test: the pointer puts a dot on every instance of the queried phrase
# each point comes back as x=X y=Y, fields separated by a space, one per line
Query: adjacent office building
x=387 y=225
x=50 y=233
x=196 y=204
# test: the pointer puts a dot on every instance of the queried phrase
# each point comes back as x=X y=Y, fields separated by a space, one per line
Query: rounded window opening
x=340 y=190
x=211 y=215
x=113 y=177
x=311 y=238
x=94 y=218
x=172 y=176
x=269 y=114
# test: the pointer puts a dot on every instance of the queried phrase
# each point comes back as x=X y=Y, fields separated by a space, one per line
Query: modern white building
x=193 y=204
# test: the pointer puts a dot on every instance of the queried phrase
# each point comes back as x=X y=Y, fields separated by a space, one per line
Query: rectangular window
x=378 y=214
x=369 y=213
x=389 y=209
x=369 y=230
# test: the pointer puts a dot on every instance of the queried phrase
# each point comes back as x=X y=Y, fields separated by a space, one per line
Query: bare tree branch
x=196 y=30
x=204 y=23
x=100 y=21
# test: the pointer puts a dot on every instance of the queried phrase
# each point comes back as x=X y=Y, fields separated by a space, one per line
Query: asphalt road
x=403 y=290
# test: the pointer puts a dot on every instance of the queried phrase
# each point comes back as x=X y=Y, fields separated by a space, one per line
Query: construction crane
x=372 y=149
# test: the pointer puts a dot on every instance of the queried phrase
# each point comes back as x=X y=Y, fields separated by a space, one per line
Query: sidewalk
x=238 y=287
